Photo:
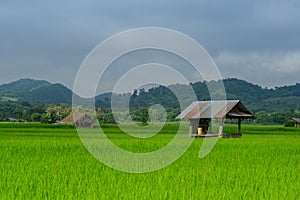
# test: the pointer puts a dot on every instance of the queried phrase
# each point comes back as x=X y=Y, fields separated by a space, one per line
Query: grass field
x=50 y=162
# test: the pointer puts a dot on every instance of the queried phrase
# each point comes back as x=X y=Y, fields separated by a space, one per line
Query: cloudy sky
x=258 y=41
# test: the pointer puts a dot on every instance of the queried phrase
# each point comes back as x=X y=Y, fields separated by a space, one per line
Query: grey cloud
x=42 y=38
x=268 y=69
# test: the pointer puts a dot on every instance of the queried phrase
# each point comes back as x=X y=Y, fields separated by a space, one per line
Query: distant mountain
x=20 y=88
x=263 y=99
x=36 y=91
x=50 y=94
x=255 y=97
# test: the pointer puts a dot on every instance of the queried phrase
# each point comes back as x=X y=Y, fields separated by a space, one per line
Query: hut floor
x=205 y=135
x=224 y=135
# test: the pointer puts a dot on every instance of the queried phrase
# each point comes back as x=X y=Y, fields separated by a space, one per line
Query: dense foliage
x=36 y=91
x=30 y=111
x=269 y=105
x=19 y=109
x=256 y=98
x=275 y=117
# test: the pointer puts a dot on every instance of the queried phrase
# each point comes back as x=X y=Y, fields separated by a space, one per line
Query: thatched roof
x=215 y=109
x=297 y=120
x=77 y=118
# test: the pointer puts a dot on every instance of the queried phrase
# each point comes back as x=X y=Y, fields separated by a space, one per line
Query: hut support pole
x=221 y=128
x=194 y=126
x=239 y=126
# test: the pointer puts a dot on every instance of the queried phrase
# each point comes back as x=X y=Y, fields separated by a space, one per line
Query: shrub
x=289 y=123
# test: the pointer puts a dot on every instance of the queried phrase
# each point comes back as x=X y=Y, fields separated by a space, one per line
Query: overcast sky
x=258 y=41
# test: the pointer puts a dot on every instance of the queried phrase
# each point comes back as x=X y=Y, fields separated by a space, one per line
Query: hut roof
x=215 y=109
x=297 y=120
x=76 y=117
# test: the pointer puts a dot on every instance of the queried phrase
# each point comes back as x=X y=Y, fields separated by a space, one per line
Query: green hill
x=50 y=94
x=276 y=104
x=255 y=97
x=35 y=91
x=19 y=89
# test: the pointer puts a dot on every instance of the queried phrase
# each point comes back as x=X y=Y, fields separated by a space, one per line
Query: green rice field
x=50 y=162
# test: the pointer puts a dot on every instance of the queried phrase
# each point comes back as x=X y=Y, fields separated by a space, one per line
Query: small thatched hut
x=297 y=121
x=79 y=120
x=201 y=113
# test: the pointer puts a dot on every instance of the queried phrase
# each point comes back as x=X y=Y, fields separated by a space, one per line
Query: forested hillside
x=35 y=91
x=253 y=96
x=22 y=98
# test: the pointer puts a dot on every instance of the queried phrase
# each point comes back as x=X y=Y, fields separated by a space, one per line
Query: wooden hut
x=297 y=122
x=201 y=113
x=79 y=120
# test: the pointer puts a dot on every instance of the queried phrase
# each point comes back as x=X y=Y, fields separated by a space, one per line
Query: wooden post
x=221 y=128
x=239 y=126
x=191 y=129
x=210 y=125
x=193 y=126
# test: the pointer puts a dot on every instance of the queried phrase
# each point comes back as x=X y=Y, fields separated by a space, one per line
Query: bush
x=36 y=117
x=289 y=123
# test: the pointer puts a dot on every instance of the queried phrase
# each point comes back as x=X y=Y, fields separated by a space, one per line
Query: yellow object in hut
x=199 y=131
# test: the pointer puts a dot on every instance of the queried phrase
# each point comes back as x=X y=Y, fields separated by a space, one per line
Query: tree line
x=38 y=112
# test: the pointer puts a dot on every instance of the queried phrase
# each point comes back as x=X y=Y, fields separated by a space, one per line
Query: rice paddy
x=50 y=162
